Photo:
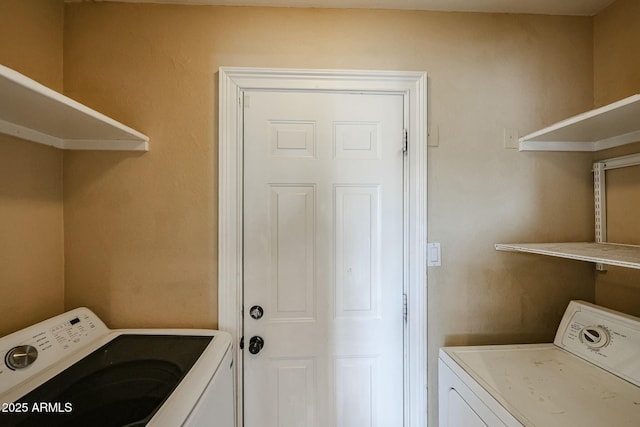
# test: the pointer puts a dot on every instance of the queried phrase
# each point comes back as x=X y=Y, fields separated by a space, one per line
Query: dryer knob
x=21 y=356
x=595 y=337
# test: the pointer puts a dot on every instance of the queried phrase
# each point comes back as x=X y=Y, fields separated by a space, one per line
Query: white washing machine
x=71 y=370
x=588 y=377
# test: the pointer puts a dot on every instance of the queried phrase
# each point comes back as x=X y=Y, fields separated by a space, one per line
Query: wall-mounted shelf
x=601 y=253
x=34 y=112
x=609 y=126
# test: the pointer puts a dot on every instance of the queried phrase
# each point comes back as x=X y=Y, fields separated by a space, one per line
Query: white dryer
x=71 y=370
x=588 y=377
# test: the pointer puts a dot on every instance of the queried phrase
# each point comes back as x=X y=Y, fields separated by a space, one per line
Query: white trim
x=232 y=82
x=39 y=114
x=609 y=126
x=29 y=134
x=619 y=162
x=587 y=146
x=556 y=146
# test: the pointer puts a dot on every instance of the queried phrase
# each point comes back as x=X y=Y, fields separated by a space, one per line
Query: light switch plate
x=433 y=255
x=510 y=138
x=433 y=139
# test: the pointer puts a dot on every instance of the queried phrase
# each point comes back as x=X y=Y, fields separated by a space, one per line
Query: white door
x=323 y=257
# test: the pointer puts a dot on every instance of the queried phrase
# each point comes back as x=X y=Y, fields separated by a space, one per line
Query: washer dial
x=21 y=356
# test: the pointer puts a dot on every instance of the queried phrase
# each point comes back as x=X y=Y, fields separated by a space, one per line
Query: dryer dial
x=595 y=337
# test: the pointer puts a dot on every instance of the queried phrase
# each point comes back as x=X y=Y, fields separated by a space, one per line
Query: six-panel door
x=323 y=257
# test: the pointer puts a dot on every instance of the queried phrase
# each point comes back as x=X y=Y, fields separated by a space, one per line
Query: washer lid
x=542 y=385
x=122 y=383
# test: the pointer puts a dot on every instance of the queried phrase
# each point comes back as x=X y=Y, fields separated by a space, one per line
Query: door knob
x=255 y=344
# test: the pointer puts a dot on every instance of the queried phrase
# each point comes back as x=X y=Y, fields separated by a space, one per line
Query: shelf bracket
x=600 y=201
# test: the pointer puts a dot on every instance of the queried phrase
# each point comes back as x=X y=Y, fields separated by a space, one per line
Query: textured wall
x=140 y=230
x=31 y=221
x=617 y=75
x=616 y=52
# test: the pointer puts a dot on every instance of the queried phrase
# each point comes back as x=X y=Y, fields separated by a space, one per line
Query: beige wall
x=31 y=222
x=616 y=76
x=616 y=52
x=140 y=230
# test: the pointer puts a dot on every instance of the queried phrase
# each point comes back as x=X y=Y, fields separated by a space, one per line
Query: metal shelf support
x=600 y=201
x=600 y=193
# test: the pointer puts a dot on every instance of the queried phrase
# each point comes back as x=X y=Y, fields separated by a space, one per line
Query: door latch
x=255 y=344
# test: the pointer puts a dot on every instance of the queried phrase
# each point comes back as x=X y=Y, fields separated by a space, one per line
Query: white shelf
x=609 y=126
x=34 y=112
x=602 y=253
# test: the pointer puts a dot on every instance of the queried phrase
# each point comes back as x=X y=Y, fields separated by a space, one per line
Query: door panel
x=323 y=255
x=357 y=255
x=293 y=251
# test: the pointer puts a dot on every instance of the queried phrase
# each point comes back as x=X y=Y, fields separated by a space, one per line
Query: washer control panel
x=606 y=338
x=27 y=352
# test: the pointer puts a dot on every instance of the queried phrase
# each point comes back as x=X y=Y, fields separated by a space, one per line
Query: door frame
x=233 y=81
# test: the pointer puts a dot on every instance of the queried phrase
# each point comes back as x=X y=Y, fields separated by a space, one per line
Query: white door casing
x=412 y=87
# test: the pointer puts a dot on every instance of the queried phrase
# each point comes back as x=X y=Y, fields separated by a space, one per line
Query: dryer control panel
x=606 y=338
x=32 y=350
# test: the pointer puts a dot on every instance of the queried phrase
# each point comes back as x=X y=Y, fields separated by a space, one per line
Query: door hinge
x=241 y=343
x=405 y=309
x=405 y=141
